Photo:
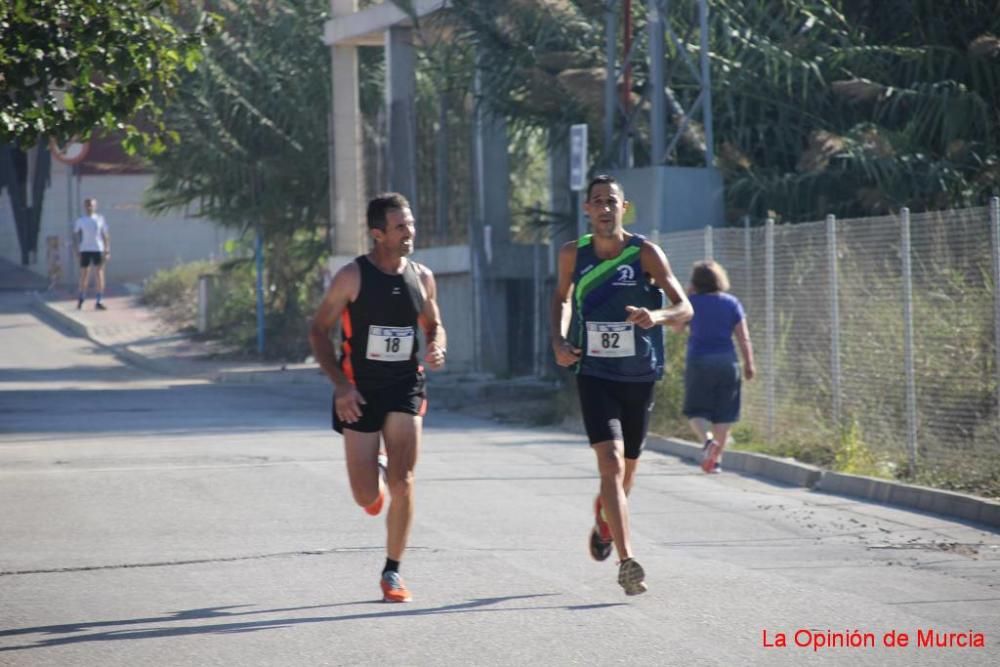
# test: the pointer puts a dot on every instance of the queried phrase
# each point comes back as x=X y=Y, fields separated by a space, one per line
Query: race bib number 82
x=610 y=339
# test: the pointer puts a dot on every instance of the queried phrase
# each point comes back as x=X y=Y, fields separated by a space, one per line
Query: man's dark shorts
x=88 y=257
x=408 y=396
x=712 y=388
x=616 y=411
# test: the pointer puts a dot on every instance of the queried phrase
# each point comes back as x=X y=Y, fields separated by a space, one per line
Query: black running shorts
x=616 y=411
x=88 y=257
x=408 y=396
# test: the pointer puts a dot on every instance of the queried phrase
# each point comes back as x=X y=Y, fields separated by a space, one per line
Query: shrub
x=176 y=290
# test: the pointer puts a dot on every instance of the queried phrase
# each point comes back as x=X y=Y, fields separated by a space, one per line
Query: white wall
x=450 y=265
x=140 y=243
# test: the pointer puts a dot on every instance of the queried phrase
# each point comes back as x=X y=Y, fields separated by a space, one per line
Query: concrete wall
x=450 y=265
x=455 y=300
x=672 y=199
x=140 y=243
x=510 y=320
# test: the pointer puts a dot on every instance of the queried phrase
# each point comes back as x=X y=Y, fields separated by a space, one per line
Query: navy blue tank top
x=613 y=349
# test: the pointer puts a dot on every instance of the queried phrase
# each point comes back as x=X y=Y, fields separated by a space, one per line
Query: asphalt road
x=152 y=521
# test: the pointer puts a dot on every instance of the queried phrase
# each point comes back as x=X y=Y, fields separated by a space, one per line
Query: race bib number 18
x=389 y=343
x=610 y=339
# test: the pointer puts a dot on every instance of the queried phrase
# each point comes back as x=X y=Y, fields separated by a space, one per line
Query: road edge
x=950 y=504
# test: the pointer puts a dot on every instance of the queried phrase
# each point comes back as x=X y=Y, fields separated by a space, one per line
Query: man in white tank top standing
x=92 y=244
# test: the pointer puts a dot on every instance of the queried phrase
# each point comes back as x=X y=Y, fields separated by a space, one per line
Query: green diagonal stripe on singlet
x=601 y=271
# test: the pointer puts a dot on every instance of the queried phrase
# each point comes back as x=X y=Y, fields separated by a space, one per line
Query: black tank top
x=380 y=327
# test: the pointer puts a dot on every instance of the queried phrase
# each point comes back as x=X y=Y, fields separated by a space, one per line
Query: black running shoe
x=599 y=549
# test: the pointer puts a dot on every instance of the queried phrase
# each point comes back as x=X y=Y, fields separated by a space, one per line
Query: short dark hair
x=603 y=179
x=381 y=204
x=708 y=276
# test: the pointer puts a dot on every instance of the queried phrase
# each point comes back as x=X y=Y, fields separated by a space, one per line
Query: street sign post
x=577 y=157
x=578 y=169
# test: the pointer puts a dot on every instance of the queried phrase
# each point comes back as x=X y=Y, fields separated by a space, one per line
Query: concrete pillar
x=347 y=196
x=658 y=102
x=490 y=236
x=400 y=93
x=491 y=148
x=561 y=198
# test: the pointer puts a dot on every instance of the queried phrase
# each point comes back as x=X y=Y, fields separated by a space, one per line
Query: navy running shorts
x=712 y=388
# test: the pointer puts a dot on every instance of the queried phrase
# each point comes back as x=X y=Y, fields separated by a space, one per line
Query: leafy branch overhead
x=853 y=107
x=251 y=153
x=69 y=67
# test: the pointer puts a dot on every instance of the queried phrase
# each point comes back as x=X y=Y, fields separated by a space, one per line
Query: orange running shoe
x=603 y=529
x=393 y=588
x=376 y=507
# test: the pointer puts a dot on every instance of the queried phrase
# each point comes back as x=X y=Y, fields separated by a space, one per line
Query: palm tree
x=251 y=149
x=853 y=107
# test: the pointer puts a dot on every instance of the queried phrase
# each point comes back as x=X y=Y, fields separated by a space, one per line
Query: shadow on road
x=167 y=409
x=478 y=605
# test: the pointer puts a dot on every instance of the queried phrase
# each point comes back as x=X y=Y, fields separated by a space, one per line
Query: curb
x=122 y=352
x=949 y=504
x=786 y=471
x=936 y=501
x=308 y=375
x=45 y=309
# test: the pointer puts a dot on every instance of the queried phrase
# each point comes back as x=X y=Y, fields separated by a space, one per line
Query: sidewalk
x=134 y=333
x=15 y=277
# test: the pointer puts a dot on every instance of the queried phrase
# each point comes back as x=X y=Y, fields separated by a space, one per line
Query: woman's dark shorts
x=616 y=411
x=408 y=396
x=712 y=388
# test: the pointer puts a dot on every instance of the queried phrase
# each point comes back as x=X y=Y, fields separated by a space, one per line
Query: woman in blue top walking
x=712 y=375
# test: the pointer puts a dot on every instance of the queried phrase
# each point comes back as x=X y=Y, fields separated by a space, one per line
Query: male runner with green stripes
x=613 y=282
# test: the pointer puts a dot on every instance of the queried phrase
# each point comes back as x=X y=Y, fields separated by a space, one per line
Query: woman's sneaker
x=631 y=577
x=710 y=455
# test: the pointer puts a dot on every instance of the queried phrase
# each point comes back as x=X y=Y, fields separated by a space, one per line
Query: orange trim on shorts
x=345 y=361
x=423 y=404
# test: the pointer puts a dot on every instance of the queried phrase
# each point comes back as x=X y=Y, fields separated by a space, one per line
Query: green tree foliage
x=68 y=67
x=874 y=106
x=252 y=149
x=853 y=107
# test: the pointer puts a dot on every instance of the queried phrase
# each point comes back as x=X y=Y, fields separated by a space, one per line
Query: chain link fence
x=876 y=338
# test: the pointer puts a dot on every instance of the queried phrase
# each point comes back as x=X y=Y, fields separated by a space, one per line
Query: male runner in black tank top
x=380 y=300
